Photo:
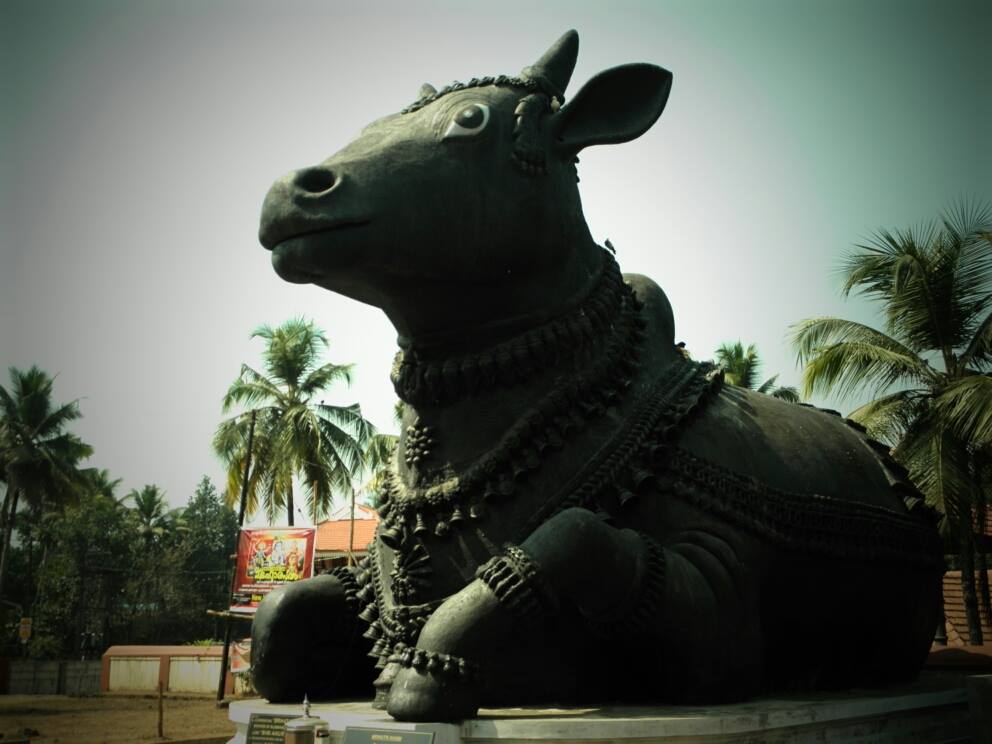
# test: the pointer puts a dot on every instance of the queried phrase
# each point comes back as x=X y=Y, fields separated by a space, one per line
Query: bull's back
x=792 y=448
x=849 y=594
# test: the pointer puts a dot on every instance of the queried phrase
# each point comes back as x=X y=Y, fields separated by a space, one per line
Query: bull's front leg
x=688 y=593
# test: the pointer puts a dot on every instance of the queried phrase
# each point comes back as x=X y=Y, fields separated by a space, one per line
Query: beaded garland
x=419 y=379
x=614 y=480
x=643 y=460
x=678 y=391
x=454 y=498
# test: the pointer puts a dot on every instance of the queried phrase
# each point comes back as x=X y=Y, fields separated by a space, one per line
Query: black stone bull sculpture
x=576 y=512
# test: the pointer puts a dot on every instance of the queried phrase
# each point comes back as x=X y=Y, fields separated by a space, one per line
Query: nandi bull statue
x=576 y=512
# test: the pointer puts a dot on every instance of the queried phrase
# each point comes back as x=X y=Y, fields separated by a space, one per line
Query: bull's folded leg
x=574 y=556
x=307 y=640
x=687 y=602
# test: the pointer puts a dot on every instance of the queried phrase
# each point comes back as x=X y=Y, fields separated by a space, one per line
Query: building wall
x=193 y=674
x=31 y=677
x=134 y=673
x=178 y=668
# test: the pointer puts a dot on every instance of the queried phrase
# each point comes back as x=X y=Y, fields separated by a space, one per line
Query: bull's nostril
x=315 y=180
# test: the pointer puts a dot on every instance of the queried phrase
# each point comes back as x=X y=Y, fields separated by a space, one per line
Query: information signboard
x=362 y=735
x=266 y=729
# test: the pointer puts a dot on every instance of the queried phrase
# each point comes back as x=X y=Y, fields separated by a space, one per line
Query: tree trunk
x=7 y=529
x=981 y=559
x=6 y=506
x=983 y=582
x=315 y=496
x=981 y=539
x=289 y=504
x=351 y=532
x=968 y=592
x=40 y=573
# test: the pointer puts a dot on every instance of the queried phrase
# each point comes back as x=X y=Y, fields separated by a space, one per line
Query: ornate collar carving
x=454 y=497
x=420 y=379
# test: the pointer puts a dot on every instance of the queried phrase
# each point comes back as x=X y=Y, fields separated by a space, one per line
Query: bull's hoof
x=438 y=693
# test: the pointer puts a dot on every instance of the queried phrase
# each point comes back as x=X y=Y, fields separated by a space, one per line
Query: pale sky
x=138 y=139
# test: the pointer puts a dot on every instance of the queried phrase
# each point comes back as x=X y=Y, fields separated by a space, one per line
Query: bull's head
x=463 y=210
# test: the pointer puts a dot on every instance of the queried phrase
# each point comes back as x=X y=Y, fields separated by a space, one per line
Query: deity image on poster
x=270 y=557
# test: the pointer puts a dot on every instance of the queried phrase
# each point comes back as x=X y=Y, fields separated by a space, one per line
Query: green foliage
x=211 y=528
x=39 y=455
x=101 y=572
x=151 y=512
x=935 y=287
x=40 y=458
x=99 y=481
x=377 y=458
x=89 y=552
x=92 y=570
x=740 y=367
x=929 y=367
x=211 y=536
x=295 y=436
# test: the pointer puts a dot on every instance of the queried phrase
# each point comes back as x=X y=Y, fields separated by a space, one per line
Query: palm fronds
x=841 y=357
x=934 y=283
x=296 y=437
x=965 y=406
x=740 y=367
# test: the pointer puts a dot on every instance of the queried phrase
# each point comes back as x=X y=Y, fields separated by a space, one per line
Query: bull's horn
x=554 y=69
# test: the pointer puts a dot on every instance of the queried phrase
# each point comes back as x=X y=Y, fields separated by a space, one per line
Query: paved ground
x=109 y=719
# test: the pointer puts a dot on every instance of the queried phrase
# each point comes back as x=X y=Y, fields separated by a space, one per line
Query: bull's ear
x=617 y=105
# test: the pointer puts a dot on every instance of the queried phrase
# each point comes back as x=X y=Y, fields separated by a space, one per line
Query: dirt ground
x=108 y=719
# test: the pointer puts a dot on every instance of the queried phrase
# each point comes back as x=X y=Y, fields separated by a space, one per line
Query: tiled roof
x=164 y=650
x=957 y=622
x=333 y=534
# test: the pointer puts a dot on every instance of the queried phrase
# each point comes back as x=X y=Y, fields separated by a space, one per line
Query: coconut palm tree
x=928 y=369
x=297 y=435
x=152 y=514
x=378 y=456
x=101 y=483
x=40 y=457
x=740 y=367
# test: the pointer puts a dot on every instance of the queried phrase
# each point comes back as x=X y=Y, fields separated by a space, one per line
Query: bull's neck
x=511 y=351
x=460 y=405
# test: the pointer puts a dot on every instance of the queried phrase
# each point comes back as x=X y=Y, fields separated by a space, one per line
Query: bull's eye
x=468 y=121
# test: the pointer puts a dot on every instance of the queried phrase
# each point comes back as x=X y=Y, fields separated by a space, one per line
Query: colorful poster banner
x=269 y=557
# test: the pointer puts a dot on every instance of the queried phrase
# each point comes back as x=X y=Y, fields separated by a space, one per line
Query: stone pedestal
x=935 y=710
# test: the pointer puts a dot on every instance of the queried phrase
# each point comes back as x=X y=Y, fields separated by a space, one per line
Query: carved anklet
x=435 y=663
x=515 y=579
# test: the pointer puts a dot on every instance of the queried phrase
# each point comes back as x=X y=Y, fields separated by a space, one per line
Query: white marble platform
x=931 y=711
